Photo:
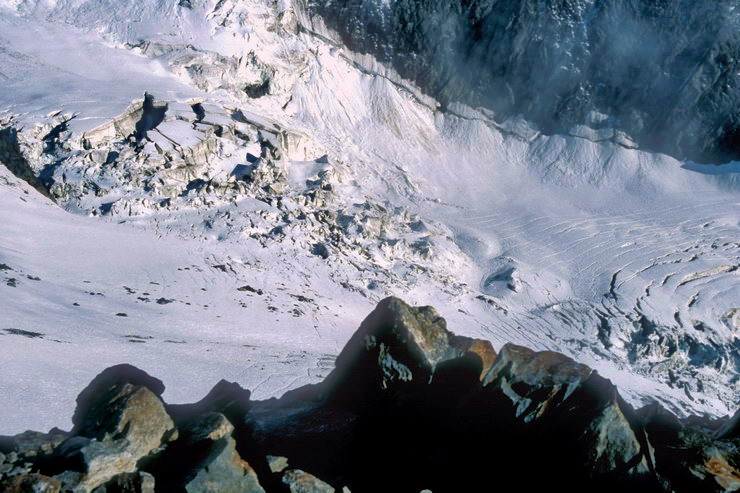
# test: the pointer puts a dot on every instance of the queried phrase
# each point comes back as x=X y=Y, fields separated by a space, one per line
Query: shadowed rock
x=409 y=407
x=26 y=483
x=204 y=459
x=398 y=344
x=127 y=411
x=132 y=482
x=110 y=377
x=663 y=72
x=227 y=398
x=33 y=444
x=119 y=420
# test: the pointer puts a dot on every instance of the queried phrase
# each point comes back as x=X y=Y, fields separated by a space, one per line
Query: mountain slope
x=663 y=72
x=298 y=183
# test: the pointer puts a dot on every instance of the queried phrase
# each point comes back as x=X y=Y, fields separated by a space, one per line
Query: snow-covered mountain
x=223 y=189
x=663 y=72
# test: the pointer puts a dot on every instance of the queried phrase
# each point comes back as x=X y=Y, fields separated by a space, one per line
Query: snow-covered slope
x=272 y=186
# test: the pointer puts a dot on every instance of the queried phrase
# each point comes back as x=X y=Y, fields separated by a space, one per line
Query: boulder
x=126 y=411
x=694 y=453
x=110 y=377
x=277 y=463
x=33 y=445
x=301 y=482
x=119 y=420
x=204 y=459
x=575 y=416
x=95 y=463
x=534 y=381
x=479 y=347
x=731 y=428
x=30 y=483
x=227 y=398
x=409 y=406
x=722 y=464
x=130 y=482
x=399 y=346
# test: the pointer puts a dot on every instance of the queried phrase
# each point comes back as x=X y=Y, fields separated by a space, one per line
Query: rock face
x=204 y=459
x=409 y=407
x=398 y=347
x=662 y=72
x=129 y=482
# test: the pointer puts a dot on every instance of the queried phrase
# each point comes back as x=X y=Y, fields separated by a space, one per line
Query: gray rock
x=20 y=470
x=204 y=459
x=119 y=419
x=102 y=388
x=129 y=411
x=223 y=471
x=210 y=426
x=98 y=462
x=518 y=364
x=277 y=463
x=30 y=483
x=32 y=444
x=398 y=344
x=731 y=429
x=227 y=398
x=301 y=482
x=132 y=482
x=116 y=374
x=427 y=408
x=547 y=387
x=68 y=479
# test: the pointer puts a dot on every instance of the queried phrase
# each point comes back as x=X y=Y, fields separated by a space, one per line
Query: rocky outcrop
x=204 y=459
x=410 y=406
x=120 y=419
x=663 y=73
x=398 y=348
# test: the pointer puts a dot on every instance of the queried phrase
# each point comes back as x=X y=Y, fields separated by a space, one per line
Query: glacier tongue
x=272 y=186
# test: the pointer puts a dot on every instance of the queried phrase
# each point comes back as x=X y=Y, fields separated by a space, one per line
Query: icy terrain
x=238 y=220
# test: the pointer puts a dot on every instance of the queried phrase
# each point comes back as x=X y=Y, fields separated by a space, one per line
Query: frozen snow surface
x=240 y=219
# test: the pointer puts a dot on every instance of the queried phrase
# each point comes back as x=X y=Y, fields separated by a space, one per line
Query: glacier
x=221 y=189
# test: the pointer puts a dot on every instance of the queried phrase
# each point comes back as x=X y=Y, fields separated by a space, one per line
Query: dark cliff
x=664 y=72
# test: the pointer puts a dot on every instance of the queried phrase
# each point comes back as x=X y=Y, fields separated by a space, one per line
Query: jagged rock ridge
x=409 y=406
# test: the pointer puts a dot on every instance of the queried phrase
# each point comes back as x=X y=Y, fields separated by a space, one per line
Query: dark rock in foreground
x=410 y=406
